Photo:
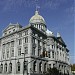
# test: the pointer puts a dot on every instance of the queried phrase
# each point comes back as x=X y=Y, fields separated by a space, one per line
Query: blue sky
x=58 y=14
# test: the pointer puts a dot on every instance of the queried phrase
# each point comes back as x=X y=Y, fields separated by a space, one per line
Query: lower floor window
x=18 y=66
x=5 y=67
x=40 y=66
x=34 y=66
x=10 y=67
x=45 y=67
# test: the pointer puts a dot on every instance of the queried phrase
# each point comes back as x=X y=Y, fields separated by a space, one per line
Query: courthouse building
x=41 y=48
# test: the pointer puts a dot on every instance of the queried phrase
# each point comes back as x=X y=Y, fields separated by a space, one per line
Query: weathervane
x=37 y=6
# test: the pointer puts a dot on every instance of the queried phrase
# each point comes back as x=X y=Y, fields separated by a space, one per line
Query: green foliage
x=73 y=67
x=53 y=71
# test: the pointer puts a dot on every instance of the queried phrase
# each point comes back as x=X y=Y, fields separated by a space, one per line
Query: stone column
x=29 y=49
x=41 y=44
x=30 y=42
x=36 y=49
x=15 y=47
x=55 y=51
x=15 y=54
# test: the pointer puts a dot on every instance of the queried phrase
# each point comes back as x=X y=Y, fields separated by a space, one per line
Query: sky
x=58 y=14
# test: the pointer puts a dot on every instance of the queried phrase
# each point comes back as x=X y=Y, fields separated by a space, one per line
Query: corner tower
x=38 y=22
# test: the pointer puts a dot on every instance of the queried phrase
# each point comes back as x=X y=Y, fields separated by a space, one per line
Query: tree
x=53 y=71
x=73 y=67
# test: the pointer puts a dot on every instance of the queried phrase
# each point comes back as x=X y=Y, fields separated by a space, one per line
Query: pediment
x=9 y=27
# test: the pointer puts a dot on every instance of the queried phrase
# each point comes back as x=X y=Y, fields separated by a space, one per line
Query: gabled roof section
x=10 y=26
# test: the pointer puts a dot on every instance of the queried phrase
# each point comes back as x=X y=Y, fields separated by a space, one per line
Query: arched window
x=25 y=65
x=34 y=66
x=40 y=66
x=18 y=66
x=10 y=67
x=45 y=67
x=5 y=67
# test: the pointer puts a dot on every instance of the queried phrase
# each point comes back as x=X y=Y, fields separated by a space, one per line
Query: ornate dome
x=37 y=18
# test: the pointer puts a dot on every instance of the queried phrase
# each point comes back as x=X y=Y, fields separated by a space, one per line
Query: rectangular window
x=60 y=53
x=26 y=32
x=20 y=41
x=3 y=55
x=33 y=51
x=3 y=50
x=53 y=54
x=49 y=55
x=19 y=51
x=7 y=53
x=12 y=44
x=52 y=46
x=12 y=52
x=26 y=50
x=26 y=40
x=7 y=49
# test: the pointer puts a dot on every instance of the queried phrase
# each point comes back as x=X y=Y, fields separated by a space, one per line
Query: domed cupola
x=38 y=21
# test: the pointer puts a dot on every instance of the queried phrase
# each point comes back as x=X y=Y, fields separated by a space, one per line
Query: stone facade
x=41 y=49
